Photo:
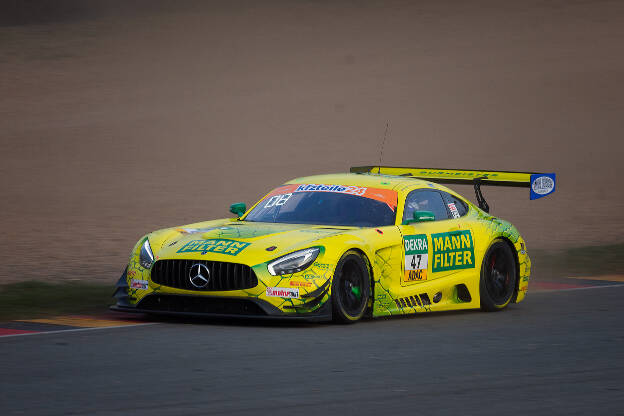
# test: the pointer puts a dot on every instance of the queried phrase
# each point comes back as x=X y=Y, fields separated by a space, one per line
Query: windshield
x=353 y=206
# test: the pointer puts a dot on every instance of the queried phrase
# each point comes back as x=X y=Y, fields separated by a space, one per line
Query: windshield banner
x=384 y=195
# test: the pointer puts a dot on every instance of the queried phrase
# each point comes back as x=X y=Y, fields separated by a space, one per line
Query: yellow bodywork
x=455 y=249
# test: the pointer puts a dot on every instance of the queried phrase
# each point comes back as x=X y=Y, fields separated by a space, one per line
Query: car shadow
x=286 y=323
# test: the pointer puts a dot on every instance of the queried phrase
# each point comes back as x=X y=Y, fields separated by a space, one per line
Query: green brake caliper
x=356 y=291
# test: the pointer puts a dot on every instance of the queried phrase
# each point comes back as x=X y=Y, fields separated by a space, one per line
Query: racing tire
x=350 y=288
x=498 y=277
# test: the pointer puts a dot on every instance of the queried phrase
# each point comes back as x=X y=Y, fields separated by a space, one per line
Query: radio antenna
x=382 y=147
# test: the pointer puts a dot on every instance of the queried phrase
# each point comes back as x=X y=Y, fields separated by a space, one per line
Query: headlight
x=146 y=257
x=293 y=262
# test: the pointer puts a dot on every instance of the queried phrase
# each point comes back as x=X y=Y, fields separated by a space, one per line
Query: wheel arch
x=516 y=262
x=369 y=265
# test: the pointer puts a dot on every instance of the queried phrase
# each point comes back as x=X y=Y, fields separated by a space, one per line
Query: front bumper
x=322 y=315
x=162 y=303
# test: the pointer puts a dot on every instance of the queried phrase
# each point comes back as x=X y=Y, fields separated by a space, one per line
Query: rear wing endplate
x=540 y=184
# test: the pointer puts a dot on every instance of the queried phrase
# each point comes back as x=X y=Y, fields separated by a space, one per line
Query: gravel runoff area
x=120 y=117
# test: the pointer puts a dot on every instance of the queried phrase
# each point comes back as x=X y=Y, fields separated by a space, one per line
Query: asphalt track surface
x=559 y=352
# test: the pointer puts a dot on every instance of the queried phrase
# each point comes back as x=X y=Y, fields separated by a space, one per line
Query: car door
x=438 y=248
x=454 y=251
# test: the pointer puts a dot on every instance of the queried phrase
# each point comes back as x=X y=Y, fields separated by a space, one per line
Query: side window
x=456 y=206
x=425 y=200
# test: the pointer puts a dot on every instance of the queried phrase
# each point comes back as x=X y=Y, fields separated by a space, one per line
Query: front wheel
x=350 y=288
x=498 y=277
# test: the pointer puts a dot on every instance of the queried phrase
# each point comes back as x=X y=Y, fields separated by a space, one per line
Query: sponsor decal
x=324 y=266
x=139 y=284
x=542 y=185
x=452 y=251
x=449 y=173
x=295 y=283
x=416 y=257
x=132 y=272
x=355 y=190
x=453 y=209
x=282 y=292
x=281 y=195
x=310 y=276
x=217 y=245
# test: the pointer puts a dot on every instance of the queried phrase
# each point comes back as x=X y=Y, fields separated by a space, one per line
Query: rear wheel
x=498 y=277
x=350 y=288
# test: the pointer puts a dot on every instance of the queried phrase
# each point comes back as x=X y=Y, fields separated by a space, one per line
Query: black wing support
x=480 y=199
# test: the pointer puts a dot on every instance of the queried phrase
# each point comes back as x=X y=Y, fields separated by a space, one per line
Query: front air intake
x=200 y=305
x=216 y=275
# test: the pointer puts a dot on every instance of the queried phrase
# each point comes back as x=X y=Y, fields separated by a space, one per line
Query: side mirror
x=238 y=208
x=420 y=216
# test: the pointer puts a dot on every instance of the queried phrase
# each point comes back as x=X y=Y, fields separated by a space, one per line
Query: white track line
x=78 y=329
x=574 y=288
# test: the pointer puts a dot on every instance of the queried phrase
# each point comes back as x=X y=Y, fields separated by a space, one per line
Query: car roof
x=363 y=179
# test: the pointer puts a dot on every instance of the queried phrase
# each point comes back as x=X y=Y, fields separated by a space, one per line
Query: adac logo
x=542 y=184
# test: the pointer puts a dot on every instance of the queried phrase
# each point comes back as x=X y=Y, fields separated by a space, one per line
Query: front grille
x=223 y=276
x=200 y=304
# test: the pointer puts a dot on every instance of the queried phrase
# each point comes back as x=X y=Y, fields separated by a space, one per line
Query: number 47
x=416 y=266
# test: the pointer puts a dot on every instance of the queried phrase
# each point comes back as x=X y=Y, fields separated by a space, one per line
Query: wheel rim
x=499 y=276
x=351 y=288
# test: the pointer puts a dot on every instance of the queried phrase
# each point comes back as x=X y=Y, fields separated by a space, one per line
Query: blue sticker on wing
x=542 y=184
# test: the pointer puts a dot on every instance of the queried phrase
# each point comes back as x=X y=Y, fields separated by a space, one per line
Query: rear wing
x=540 y=184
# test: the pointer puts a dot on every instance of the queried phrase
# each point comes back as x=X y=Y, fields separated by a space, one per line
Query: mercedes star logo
x=199 y=275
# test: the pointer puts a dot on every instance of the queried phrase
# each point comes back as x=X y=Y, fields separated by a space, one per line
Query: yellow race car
x=379 y=241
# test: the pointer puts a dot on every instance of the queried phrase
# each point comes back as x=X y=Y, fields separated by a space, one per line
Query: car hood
x=241 y=241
